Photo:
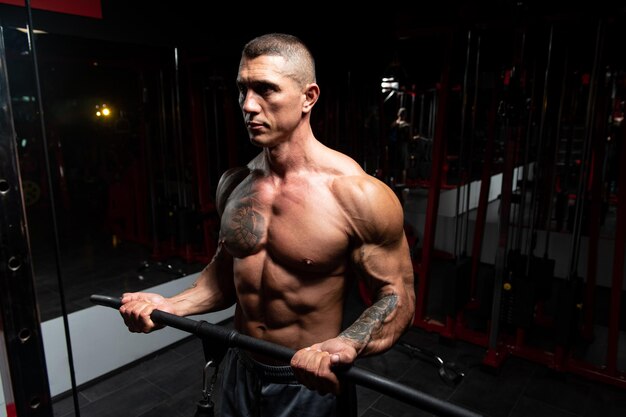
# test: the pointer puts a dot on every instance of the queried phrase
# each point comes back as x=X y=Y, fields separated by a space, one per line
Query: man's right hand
x=138 y=306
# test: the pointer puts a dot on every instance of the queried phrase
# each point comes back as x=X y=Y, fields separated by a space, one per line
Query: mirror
x=122 y=182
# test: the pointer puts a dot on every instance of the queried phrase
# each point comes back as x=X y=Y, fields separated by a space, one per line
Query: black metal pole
x=355 y=374
x=53 y=212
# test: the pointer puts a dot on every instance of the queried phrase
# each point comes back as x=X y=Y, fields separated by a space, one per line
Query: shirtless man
x=298 y=224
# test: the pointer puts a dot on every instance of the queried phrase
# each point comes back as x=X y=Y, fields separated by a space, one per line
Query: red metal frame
x=618 y=266
x=560 y=359
x=424 y=267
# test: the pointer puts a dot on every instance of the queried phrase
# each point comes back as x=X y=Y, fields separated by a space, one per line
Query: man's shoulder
x=374 y=209
x=340 y=163
x=232 y=177
x=228 y=181
x=348 y=176
x=360 y=189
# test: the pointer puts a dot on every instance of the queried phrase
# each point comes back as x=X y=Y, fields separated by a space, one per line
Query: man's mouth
x=255 y=125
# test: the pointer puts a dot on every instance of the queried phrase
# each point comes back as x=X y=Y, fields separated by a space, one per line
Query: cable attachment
x=205 y=407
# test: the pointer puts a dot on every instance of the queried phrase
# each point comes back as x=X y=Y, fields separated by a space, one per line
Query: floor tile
x=606 y=401
x=394 y=408
x=374 y=413
x=561 y=390
x=365 y=398
x=494 y=393
x=133 y=400
x=531 y=407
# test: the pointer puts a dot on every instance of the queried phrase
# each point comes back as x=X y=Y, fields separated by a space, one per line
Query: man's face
x=270 y=99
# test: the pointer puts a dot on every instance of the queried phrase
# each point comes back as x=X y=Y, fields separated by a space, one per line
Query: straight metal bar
x=360 y=376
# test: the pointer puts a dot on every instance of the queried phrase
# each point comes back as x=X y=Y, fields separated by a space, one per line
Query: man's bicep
x=225 y=272
x=385 y=269
x=387 y=275
x=217 y=278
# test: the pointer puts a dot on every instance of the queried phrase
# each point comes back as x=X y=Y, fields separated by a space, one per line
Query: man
x=298 y=224
x=400 y=135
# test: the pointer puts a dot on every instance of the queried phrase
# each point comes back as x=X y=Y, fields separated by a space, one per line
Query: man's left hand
x=313 y=366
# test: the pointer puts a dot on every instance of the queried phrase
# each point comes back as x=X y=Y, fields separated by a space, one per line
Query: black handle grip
x=355 y=374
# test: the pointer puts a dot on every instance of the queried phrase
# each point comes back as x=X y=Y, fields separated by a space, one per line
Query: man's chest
x=295 y=224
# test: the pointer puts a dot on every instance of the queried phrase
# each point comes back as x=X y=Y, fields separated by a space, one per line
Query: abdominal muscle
x=287 y=306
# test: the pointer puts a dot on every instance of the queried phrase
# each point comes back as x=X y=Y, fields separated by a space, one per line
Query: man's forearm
x=369 y=326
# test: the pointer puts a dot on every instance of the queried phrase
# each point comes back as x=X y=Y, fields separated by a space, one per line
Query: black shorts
x=252 y=389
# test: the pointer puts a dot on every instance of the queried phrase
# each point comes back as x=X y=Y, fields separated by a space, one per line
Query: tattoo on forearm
x=371 y=320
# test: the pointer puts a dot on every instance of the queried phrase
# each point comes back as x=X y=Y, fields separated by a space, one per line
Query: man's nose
x=249 y=103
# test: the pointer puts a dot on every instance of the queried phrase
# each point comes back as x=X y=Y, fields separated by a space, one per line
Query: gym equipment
x=483 y=291
x=570 y=299
x=508 y=112
x=617 y=278
x=449 y=372
x=529 y=271
x=159 y=266
x=457 y=284
x=205 y=407
x=230 y=338
x=424 y=268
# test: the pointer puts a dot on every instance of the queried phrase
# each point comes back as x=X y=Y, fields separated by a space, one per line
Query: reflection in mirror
x=125 y=192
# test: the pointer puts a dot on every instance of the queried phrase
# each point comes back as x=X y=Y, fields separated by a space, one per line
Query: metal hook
x=205 y=407
x=207 y=387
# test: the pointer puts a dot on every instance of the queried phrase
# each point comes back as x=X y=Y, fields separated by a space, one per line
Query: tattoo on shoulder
x=371 y=320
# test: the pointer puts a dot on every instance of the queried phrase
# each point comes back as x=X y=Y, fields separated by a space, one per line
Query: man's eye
x=264 y=90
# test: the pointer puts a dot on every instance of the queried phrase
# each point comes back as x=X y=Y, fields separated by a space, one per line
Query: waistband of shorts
x=269 y=373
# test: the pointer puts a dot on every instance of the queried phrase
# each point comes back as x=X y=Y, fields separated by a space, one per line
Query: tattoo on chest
x=246 y=227
x=371 y=320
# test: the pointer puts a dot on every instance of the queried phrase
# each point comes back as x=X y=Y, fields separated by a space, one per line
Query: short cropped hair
x=291 y=48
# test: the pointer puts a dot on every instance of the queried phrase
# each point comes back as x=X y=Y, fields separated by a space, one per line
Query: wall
x=101 y=342
x=559 y=249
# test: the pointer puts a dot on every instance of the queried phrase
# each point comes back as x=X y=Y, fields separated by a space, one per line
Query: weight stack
x=568 y=310
x=456 y=288
x=542 y=273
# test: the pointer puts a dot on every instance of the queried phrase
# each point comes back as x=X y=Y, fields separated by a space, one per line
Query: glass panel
x=117 y=163
x=117 y=190
x=22 y=364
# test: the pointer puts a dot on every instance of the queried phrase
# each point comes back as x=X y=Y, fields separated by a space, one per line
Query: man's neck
x=291 y=156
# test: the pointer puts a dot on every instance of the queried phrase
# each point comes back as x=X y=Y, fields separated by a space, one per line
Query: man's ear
x=311 y=93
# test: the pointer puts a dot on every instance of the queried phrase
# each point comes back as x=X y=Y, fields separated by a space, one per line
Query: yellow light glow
x=102 y=110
